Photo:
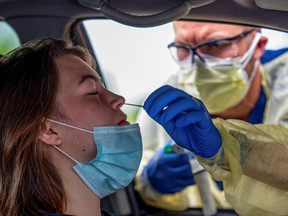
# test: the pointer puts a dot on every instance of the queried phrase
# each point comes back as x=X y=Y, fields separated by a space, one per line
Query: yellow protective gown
x=154 y=137
x=253 y=167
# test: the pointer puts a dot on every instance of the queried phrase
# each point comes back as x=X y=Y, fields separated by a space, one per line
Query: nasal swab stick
x=130 y=104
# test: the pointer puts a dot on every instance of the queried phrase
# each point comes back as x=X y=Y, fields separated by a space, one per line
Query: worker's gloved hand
x=185 y=119
x=169 y=172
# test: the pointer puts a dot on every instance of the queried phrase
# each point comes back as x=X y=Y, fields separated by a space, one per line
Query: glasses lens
x=222 y=48
x=180 y=54
x=219 y=49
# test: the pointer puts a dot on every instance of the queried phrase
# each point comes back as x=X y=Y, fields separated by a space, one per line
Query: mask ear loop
x=247 y=56
x=71 y=126
x=255 y=67
x=60 y=150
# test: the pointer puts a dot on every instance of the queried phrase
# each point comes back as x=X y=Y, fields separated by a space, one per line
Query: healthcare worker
x=251 y=160
x=9 y=39
x=219 y=64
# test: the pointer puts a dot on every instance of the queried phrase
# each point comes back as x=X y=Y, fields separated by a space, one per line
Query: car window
x=9 y=39
x=276 y=39
x=135 y=61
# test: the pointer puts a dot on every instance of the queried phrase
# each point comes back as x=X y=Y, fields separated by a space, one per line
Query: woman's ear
x=48 y=135
x=260 y=48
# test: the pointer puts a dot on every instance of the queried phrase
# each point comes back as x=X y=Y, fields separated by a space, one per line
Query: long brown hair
x=29 y=182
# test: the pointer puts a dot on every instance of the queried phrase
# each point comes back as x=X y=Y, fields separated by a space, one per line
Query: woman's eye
x=93 y=93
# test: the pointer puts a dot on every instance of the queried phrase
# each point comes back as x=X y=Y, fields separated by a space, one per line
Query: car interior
x=89 y=22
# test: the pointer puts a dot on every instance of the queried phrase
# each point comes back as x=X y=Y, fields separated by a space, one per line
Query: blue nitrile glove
x=169 y=172
x=185 y=119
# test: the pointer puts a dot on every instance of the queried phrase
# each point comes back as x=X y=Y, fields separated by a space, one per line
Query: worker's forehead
x=196 y=26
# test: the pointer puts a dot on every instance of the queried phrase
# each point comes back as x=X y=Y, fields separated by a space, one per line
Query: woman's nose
x=116 y=101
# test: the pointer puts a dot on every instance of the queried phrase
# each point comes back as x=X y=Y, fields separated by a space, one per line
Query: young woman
x=63 y=135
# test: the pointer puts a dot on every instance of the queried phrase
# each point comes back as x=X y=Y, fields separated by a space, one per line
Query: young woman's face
x=84 y=102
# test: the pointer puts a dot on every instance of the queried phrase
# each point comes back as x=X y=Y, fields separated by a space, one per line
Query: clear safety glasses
x=220 y=48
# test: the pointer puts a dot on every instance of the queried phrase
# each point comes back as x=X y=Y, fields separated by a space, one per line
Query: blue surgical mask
x=117 y=160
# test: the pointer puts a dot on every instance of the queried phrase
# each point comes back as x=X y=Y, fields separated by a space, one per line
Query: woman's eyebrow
x=88 y=77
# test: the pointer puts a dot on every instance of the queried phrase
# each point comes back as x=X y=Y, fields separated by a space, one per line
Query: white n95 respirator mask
x=219 y=83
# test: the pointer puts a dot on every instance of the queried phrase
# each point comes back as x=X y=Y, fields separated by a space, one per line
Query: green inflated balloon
x=9 y=39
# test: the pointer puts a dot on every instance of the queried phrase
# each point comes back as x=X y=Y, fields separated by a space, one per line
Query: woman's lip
x=123 y=122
